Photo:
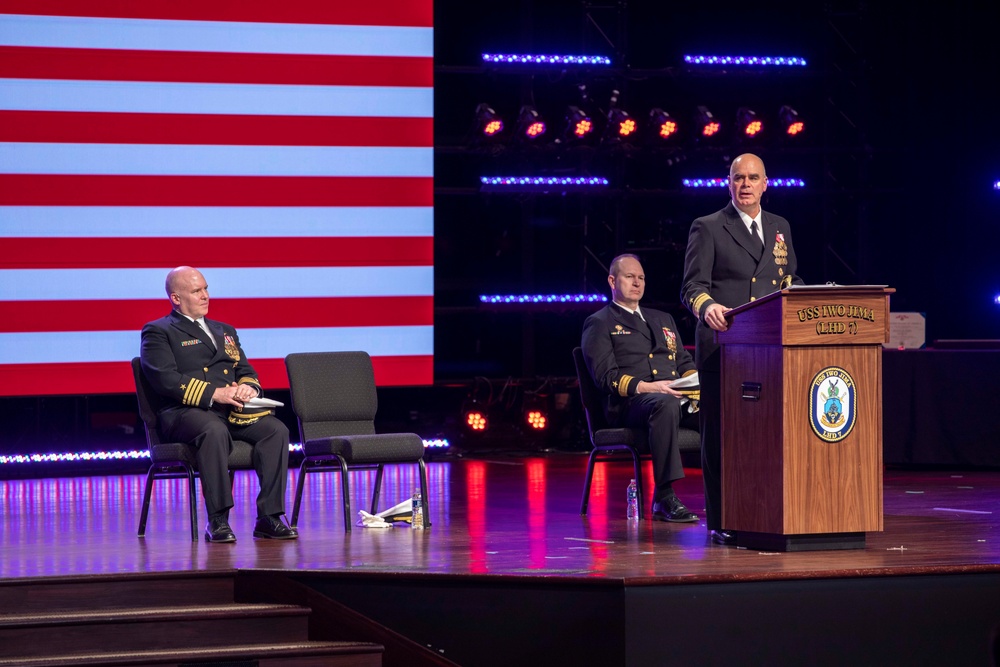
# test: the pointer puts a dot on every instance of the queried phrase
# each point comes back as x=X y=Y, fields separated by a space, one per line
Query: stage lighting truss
x=489 y=124
x=662 y=125
x=748 y=124
x=791 y=121
x=705 y=123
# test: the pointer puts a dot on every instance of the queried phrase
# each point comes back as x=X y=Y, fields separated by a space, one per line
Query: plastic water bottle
x=417 y=517
x=633 y=501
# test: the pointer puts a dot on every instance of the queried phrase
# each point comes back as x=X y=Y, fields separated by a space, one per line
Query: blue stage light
x=531 y=59
x=540 y=183
x=747 y=61
x=724 y=182
x=541 y=298
x=996 y=186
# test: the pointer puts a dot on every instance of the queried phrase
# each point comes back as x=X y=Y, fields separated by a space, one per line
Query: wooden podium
x=802 y=418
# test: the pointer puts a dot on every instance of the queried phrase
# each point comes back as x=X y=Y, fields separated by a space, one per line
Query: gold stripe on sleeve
x=699 y=301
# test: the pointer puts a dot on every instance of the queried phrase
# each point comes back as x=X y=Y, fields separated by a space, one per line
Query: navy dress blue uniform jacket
x=620 y=351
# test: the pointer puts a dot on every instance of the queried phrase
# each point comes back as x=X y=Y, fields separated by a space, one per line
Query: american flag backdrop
x=284 y=149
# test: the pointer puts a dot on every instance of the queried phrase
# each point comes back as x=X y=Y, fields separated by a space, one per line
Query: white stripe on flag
x=215 y=36
x=102 y=346
x=186 y=160
x=186 y=221
x=232 y=283
x=212 y=98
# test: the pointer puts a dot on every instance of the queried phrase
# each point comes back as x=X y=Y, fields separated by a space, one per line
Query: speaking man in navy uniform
x=203 y=379
x=634 y=355
x=734 y=256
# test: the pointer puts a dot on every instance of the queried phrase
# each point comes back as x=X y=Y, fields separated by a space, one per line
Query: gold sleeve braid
x=698 y=301
x=194 y=391
x=623 y=384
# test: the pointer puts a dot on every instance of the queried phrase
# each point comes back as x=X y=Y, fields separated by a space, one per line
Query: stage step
x=160 y=620
x=301 y=654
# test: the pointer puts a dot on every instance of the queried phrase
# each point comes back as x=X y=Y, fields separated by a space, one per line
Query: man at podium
x=634 y=357
x=734 y=256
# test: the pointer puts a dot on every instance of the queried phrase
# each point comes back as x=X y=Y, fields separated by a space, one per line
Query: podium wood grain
x=779 y=476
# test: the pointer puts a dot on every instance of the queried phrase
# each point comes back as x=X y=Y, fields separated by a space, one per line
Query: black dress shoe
x=724 y=537
x=274 y=528
x=672 y=509
x=218 y=530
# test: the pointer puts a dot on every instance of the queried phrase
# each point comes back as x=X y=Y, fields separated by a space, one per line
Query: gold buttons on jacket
x=654 y=371
x=670 y=357
x=205 y=369
x=753 y=280
x=650 y=355
x=225 y=371
x=774 y=282
x=753 y=298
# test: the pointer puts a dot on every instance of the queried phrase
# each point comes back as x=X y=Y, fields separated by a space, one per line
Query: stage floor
x=493 y=514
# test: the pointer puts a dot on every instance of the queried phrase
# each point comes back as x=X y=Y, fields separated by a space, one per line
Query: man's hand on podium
x=715 y=317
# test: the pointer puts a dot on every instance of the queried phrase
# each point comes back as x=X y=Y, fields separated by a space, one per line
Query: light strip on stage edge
x=135 y=454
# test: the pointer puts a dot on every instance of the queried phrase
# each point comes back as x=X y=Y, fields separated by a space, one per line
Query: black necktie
x=758 y=244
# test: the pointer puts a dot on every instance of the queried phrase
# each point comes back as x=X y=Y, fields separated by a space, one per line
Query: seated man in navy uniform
x=634 y=356
x=203 y=377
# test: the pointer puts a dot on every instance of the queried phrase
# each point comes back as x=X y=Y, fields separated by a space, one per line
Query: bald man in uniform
x=634 y=355
x=734 y=256
x=203 y=379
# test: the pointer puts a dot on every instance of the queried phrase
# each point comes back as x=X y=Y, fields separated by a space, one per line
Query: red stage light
x=476 y=421
x=791 y=121
x=536 y=419
x=747 y=121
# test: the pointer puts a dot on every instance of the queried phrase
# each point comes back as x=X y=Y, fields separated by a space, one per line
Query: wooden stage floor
x=492 y=514
x=514 y=519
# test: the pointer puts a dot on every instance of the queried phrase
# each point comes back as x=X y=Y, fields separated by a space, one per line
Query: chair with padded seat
x=335 y=401
x=617 y=443
x=173 y=460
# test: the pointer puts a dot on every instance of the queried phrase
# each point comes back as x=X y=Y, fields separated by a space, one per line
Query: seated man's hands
x=657 y=387
x=234 y=394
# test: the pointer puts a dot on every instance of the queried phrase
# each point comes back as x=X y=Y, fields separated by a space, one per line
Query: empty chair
x=171 y=460
x=334 y=401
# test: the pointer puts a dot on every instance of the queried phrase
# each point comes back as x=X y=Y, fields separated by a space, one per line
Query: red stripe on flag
x=141 y=252
x=115 y=377
x=27 y=62
x=384 y=12
x=228 y=130
x=295 y=312
x=389 y=371
x=71 y=190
